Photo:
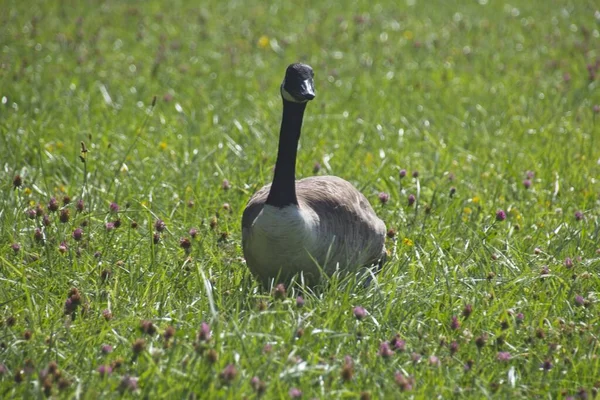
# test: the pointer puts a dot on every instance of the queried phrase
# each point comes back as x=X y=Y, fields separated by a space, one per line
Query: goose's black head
x=298 y=85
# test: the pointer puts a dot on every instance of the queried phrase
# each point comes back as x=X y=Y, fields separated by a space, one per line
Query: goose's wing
x=346 y=215
x=253 y=208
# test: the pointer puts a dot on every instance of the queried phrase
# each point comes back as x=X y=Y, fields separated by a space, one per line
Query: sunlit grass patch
x=133 y=134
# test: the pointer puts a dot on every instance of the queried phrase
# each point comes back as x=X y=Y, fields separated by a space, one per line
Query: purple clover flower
x=204 y=333
x=453 y=347
x=114 y=207
x=467 y=310
x=500 y=215
x=384 y=197
x=128 y=383
x=398 y=344
x=104 y=370
x=77 y=234
x=546 y=365
x=415 y=357
x=185 y=244
x=38 y=235
x=160 y=225
x=454 y=323
x=228 y=374
x=568 y=263
x=279 y=292
x=406 y=383
x=434 y=361
x=63 y=247
x=17 y=181
x=53 y=204
x=359 y=312
x=520 y=318
x=384 y=350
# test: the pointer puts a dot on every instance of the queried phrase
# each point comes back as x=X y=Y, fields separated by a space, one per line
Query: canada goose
x=291 y=227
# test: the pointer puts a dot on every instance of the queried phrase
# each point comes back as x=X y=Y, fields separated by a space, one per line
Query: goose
x=313 y=225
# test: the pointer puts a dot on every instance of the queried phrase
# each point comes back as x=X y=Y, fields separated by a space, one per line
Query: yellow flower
x=27 y=191
x=162 y=145
x=407 y=242
x=467 y=210
x=263 y=41
x=408 y=35
x=476 y=199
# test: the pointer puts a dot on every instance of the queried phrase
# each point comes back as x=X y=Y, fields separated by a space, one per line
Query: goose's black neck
x=283 y=189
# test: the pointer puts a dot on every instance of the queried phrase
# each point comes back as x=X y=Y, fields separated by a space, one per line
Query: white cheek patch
x=288 y=97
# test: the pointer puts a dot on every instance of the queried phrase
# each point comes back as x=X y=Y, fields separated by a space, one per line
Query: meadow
x=132 y=134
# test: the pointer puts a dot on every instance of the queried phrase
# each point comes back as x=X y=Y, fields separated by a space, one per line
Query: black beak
x=307 y=90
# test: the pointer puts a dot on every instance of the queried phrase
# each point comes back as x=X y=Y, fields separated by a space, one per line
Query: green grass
x=472 y=95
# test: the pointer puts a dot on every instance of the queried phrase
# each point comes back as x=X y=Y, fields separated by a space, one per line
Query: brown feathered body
x=332 y=227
